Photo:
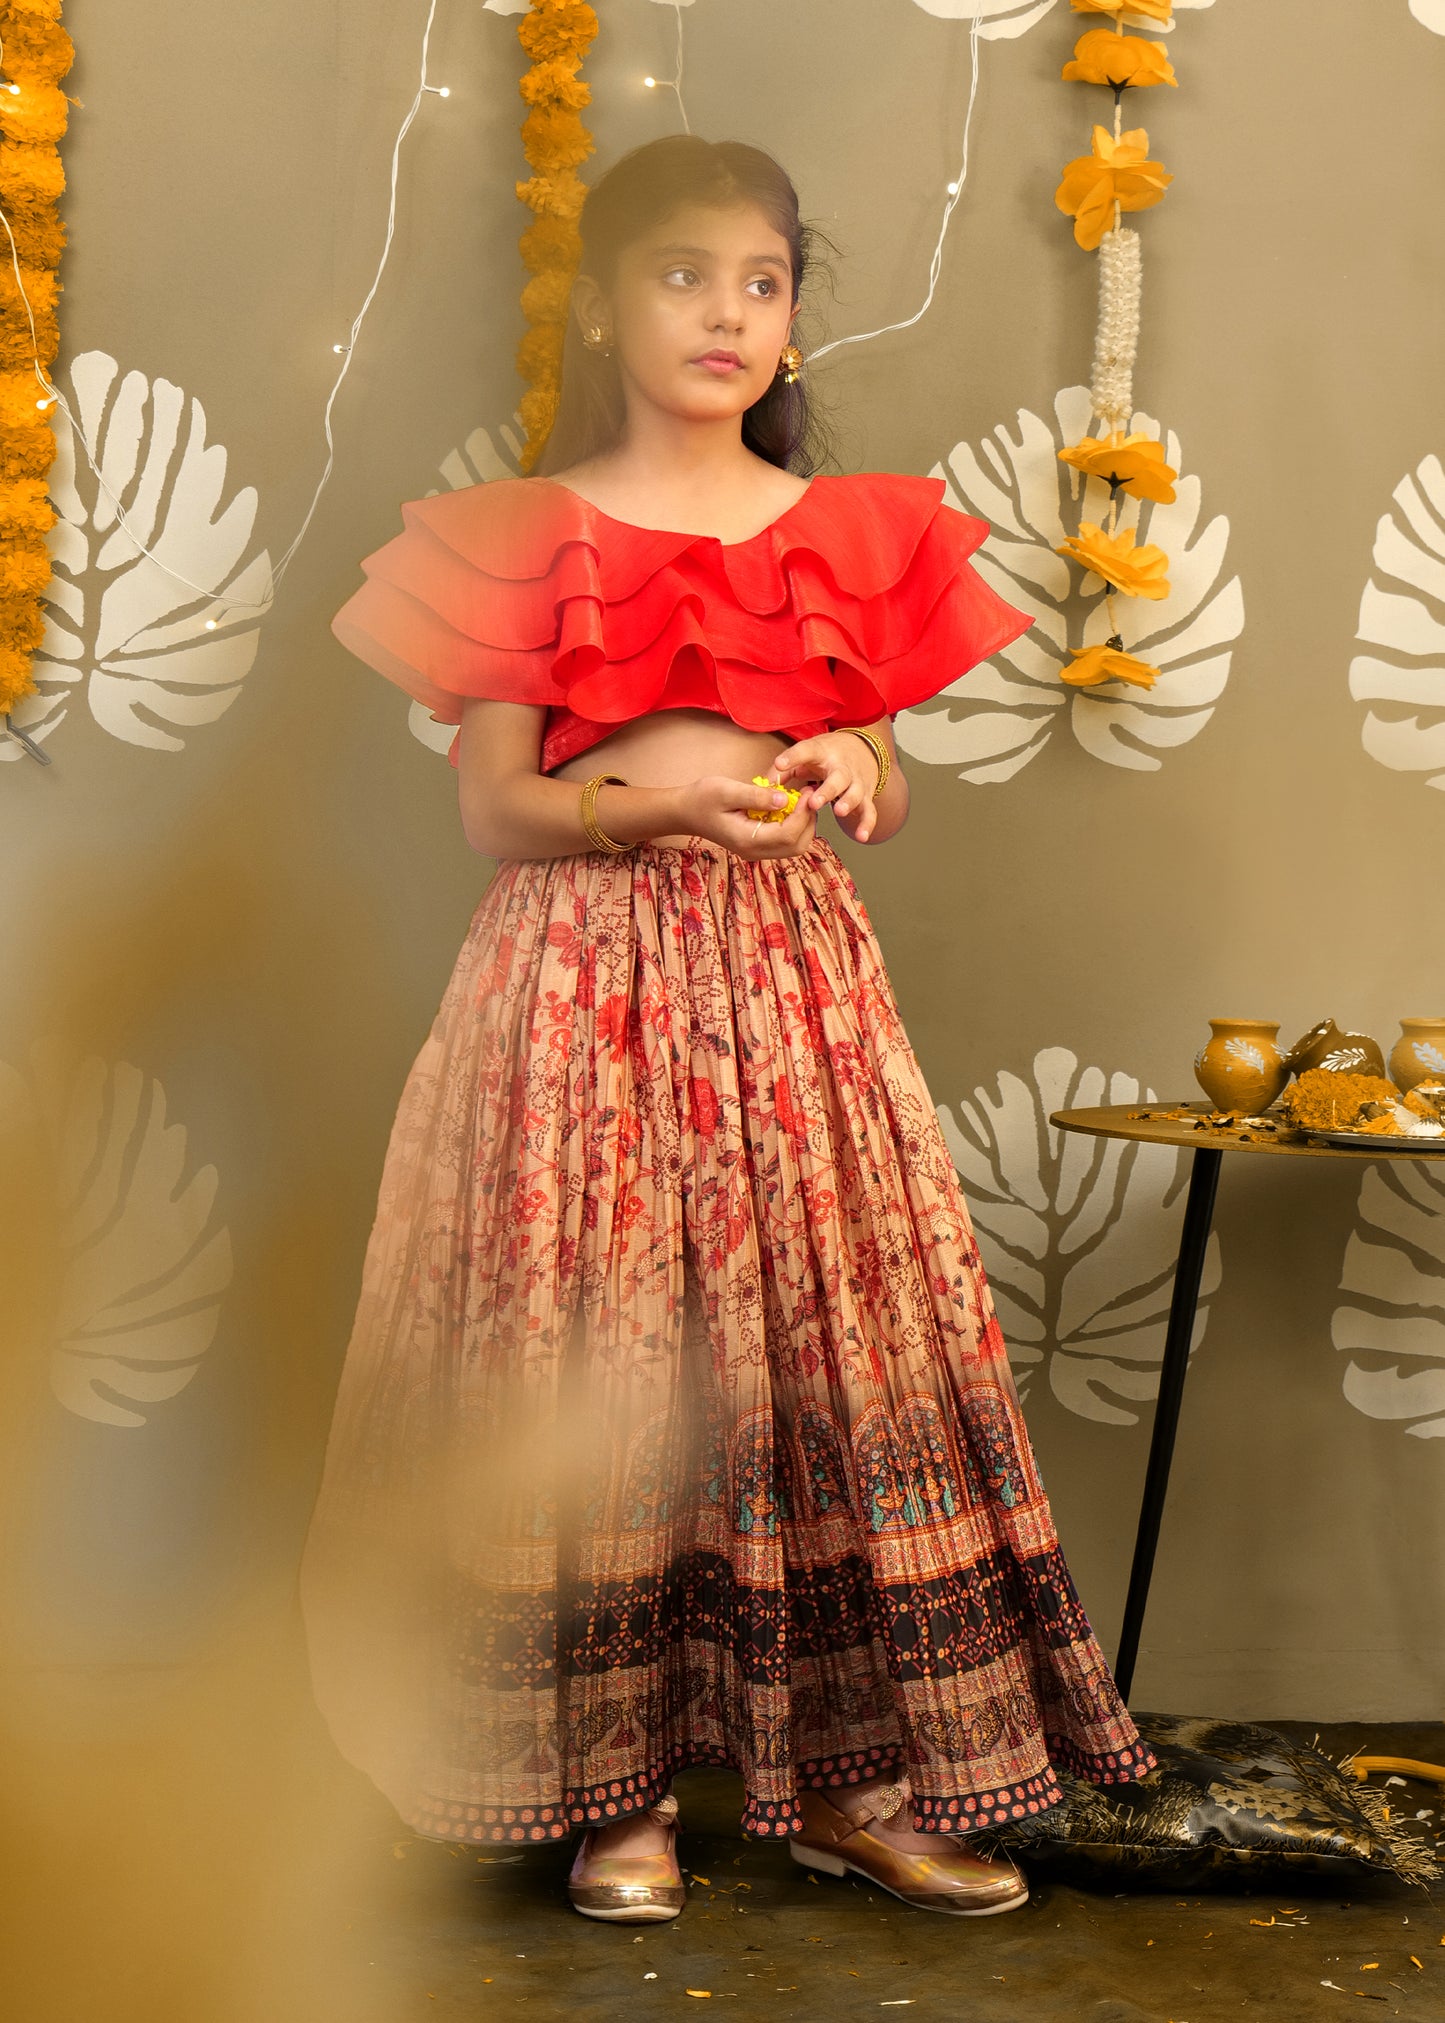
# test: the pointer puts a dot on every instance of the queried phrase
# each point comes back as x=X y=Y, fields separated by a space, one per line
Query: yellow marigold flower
x=1136 y=462
x=1117 y=172
x=1152 y=10
x=555 y=83
x=24 y=570
x=558 y=29
x=1138 y=572
x=1094 y=664
x=1102 y=57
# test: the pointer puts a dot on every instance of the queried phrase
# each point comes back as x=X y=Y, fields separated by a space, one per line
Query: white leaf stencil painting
x=1402 y=615
x=1078 y=1235
x=999 y=715
x=1430 y=13
x=119 y=629
x=483 y=456
x=1392 y=1324
x=1004 y=19
x=140 y=1258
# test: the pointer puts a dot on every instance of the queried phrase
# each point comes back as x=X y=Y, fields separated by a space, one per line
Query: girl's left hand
x=844 y=772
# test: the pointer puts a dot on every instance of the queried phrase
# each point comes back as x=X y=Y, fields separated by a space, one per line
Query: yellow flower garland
x=1116 y=176
x=37 y=53
x=556 y=35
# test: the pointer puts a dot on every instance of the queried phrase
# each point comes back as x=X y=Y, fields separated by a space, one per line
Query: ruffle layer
x=858 y=601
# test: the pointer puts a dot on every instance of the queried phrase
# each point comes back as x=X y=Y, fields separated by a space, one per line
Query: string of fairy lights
x=224 y=607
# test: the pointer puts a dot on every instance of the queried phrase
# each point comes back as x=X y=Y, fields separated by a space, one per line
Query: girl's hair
x=640 y=190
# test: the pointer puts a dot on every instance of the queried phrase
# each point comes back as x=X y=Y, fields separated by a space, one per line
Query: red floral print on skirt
x=676 y=1425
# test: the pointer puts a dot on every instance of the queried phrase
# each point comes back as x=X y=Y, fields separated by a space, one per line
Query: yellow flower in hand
x=1094 y=664
x=1135 y=463
x=1102 y=57
x=1117 y=172
x=1138 y=572
x=1152 y=10
x=773 y=814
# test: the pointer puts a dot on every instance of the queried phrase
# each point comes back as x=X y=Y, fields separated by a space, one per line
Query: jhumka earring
x=790 y=363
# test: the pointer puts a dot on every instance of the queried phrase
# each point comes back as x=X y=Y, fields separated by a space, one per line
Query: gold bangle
x=880 y=752
x=596 y=834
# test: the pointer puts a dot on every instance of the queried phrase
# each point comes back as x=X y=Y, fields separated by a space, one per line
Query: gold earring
x=790 y=362
x=593 y=337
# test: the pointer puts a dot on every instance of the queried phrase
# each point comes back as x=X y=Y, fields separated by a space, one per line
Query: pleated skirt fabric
x=676 y=1426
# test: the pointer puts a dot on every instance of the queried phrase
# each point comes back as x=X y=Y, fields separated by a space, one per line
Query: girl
x=676 y=1425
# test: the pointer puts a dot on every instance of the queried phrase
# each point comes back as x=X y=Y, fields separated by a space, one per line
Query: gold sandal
x=959 y=1879
x=630 y=1889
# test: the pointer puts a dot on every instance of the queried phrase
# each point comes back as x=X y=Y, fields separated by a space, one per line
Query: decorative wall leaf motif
x=483 y=456
x=1078 y=1235
x=117 y=623
x=1394 y=1274
x=1003 y=19
x=998 y=716
x=1404 y=614
x=142 y=1261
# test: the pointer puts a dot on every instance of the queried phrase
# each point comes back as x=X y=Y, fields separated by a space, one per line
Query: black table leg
x=1193 y=1241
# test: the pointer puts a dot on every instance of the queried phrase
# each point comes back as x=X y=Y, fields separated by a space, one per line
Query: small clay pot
x=1419 y=1053
x=1241 y=1069
x=1325 y=1046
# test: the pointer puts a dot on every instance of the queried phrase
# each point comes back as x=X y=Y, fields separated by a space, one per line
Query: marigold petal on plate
x=1136 y=461
x=1092 y=665
x=1102 y=57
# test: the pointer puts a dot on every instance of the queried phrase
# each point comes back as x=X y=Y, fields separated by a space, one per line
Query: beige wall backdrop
x=234 y=896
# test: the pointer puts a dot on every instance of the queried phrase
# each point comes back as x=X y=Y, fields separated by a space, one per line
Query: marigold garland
x=1096 y=189
x=37 y=54
x=556 y=35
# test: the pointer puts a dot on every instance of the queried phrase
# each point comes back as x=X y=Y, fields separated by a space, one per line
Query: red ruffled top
x=858 y=601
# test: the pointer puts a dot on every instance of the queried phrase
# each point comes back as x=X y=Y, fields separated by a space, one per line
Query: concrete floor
x=189 y=1848
x=458 y=1936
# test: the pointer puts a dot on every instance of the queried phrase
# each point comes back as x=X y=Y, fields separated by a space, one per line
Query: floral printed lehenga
x=676 y=1425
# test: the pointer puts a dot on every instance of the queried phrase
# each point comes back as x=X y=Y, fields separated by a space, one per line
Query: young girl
x=676 y=1425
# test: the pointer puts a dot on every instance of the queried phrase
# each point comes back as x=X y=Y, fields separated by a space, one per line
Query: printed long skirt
x=676 y=1426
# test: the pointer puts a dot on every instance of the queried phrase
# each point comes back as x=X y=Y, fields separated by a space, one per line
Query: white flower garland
x=1116 y=341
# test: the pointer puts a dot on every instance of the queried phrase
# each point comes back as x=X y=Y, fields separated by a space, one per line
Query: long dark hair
x=640 y=190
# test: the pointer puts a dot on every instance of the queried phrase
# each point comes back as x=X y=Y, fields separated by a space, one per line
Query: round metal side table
x=1209 y=1145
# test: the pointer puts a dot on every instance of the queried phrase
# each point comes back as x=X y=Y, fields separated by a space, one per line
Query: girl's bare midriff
x=673 y=747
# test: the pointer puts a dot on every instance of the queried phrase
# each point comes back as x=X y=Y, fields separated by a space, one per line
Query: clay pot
x=1325 y=1046
x=1419 y=1053
x=1241 y=1068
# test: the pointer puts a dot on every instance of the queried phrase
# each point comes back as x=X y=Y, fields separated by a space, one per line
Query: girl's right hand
x=716 y=807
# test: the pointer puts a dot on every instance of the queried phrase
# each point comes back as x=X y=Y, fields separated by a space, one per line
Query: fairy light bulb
x=953 y=189
x=14 y=89
x=650 y=82
x=439 y=90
